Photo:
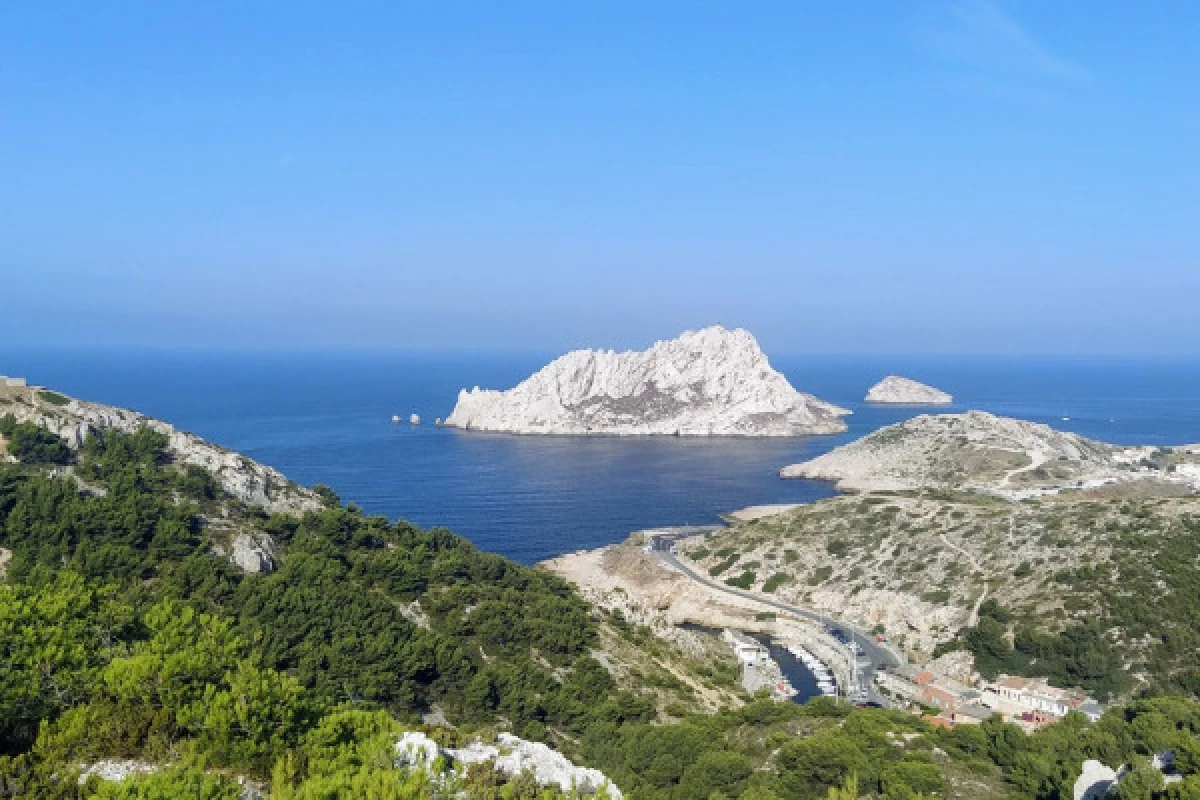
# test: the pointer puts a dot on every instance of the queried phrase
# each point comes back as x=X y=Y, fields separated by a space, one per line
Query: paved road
x=878 y=655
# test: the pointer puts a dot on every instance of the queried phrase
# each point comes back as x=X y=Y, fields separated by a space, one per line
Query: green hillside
x=126 y=634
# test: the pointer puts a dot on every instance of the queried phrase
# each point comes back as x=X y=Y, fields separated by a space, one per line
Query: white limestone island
x=904 y=391
x=711 y=382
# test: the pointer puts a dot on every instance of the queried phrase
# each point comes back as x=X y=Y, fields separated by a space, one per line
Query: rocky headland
x=244 y=479
x=977 y=450
x=895 y=390
x=711 y=382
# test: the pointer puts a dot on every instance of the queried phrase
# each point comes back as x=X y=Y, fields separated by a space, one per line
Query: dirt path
x=973 y=617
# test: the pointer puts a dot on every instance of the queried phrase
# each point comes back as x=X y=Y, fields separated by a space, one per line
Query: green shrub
x=775 y=581
x=743 y=581
x=53 y=398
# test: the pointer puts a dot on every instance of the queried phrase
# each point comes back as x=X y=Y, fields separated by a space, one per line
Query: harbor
x=786 y=671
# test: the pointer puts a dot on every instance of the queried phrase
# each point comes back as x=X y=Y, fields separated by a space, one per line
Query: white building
x=14 y=382
x=748 y=651
x=1012 y=694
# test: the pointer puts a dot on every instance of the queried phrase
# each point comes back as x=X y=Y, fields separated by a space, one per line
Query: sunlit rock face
x=711 y=382
x=895 y=389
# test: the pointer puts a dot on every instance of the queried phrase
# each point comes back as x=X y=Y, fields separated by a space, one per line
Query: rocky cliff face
x=712 y=382
x=898 y=390
x=244 y=479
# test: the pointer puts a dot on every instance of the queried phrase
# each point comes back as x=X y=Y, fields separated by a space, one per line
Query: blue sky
x=963 y=176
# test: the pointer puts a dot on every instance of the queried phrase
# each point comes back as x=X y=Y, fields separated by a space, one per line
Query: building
x=970 y=714
x=1017 y=696
x=939 y=697
x=12 y=382
x=750 y=652
x=904 y=681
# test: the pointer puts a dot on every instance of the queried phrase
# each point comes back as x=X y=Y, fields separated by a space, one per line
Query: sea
x=327 y=418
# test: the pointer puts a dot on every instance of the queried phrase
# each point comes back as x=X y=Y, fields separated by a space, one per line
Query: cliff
x=897 y=390
x=712 y=382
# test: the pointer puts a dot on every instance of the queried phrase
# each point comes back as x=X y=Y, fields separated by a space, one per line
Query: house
x=970 y=714
x=904 y=681
x=1016 y=695
x=940 y=697
x=939 y=721
x=748 y=651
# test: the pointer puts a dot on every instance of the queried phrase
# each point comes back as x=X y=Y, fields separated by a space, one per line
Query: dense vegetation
x=123 y=634
x=1143 y=605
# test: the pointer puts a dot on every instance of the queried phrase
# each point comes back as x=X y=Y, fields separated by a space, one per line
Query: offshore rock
x=895 y=389
x=711 y=382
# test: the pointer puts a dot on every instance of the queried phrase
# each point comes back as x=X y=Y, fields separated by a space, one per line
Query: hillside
x=1052 y=555
x=74 y=420
x=142 y=657
x=977 y=450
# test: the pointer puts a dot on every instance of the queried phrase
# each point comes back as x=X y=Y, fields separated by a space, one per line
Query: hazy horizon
x=944 y=177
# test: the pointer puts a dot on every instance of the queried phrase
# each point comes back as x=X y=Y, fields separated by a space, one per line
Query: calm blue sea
x=326 y=419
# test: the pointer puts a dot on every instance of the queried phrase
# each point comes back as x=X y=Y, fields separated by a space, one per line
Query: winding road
x=877 y=654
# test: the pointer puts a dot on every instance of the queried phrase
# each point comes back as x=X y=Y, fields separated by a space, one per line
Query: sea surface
x=327 y=419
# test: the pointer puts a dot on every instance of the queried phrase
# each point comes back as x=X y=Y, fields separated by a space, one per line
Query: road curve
x=877 y=654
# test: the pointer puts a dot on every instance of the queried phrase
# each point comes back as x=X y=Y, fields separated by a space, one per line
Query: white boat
x=395 y=418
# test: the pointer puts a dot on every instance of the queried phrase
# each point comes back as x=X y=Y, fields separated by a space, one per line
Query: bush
x=31 y=444
x=775 y=581
x=743 y=581
x=53 y=398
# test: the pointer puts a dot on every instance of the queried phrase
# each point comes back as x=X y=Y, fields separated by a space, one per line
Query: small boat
x=395 y=419
x=414 y=419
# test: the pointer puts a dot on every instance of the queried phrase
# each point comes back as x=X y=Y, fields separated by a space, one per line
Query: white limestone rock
x=416 y=749
x=252 y=483
x=971 y=450
x=1094 y=782
x=116 y=770
x=510 y=755
x=549 y=767
x=253 y=552
x=711 y=382
x=904 y=391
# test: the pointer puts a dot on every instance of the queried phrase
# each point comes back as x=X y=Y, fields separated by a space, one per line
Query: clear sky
x=959 y=176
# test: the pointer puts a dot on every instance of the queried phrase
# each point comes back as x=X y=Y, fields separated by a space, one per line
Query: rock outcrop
x=116 y=770
x=252 y=552
x=252 y=483
x=904 y=391
x=512 y=756
x=712 y=382
x=971 y=450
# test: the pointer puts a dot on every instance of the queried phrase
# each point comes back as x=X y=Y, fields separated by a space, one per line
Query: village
x=1029 y=703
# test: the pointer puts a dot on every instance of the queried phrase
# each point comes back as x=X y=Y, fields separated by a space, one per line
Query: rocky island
x=711 y=382
x=896 y=390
